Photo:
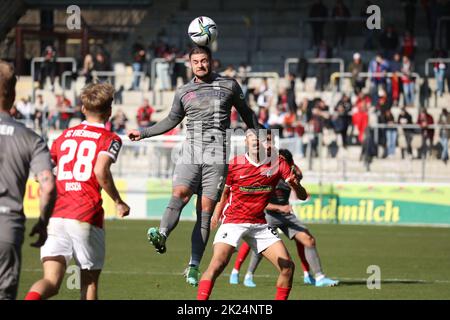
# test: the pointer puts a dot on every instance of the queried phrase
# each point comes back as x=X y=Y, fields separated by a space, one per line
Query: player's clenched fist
x=122 y=209
x=134 y=135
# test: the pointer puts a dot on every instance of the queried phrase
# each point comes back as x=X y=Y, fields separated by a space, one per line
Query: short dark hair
x=287 y=155
x=7 y=85
x=200 y=49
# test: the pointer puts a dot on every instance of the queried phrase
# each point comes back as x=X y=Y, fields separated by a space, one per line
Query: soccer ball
x=202 y=31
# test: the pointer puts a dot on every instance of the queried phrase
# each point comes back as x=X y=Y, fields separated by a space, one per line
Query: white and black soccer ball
x=203 y=31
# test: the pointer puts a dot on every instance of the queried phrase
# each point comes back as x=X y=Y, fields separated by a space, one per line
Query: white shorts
x=258 y=236
x=80 y=240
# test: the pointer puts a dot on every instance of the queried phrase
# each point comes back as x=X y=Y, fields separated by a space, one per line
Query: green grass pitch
x=414 y=263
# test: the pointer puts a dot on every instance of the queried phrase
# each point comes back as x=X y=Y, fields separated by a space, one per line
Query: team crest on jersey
x=189 y=96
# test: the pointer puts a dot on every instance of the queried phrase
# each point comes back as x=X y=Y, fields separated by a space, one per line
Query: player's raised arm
x=102 y=171
x=292 y=174
x=175 y=116
x=294 y=181
x=247 y=114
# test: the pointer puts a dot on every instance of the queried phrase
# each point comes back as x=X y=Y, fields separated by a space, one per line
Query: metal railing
x=153 y=74
x=42 y=59
x=386 y=75
x=290 y=61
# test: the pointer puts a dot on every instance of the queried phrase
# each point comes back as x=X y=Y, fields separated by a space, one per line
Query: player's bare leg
x=180 y=197
x=199 y=239
x=278 y=255
x=312 y=257
x=222 y=253
x=48 y=286
x=89 y=284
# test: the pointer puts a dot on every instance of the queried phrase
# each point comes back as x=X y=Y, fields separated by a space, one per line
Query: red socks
x=33 y=296
x=282 y=293
x=301 y=254
x=242 y=254
x=204 y=289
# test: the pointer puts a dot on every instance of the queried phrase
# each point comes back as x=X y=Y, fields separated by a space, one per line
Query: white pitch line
x=155 y=273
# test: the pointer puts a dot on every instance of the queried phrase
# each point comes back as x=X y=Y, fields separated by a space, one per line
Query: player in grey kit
x=21 y=150
x=206 y=102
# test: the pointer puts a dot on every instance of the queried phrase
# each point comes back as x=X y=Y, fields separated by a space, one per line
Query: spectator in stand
x=290 y=93
x=339 y=121
x=217 y=66
x=355 y=68
x=390 y=132
x=88 y=67
x=320 y=118
x=119 y=122
x=424 y=120
x=396 y=84
x=409 y=45
x=444 y=133
x=389 y=41
x=42 y=113
x=165 y=69
x=382 y=103
x=264 y=95
x=407 y=81
x=26 y=108
x=289 y=124
x=302 y=70
x=318 y=11
x=360 y=120
x=276 y=119
x=439 y=69
x=60 y=117
x=341 y=118
x=369 y=148
x=405 y=134
x=48 y=67
x=283 y=98
x=118 y=95
x=379 y=66
x=362 y=100
x=323 y=52
x=101 y=64
x=138 y=54
x=64 y=106
x=229 y=72
x=341 y=14
x=144 y=115
x=410 y=14
x=263 y=116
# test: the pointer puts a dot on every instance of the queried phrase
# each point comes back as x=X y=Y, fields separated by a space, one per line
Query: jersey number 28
x=84 y=160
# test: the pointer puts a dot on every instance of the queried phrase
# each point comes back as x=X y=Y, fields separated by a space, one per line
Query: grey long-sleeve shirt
x=207 y=107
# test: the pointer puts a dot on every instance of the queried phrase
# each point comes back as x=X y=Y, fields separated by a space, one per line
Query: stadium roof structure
x=40 y=4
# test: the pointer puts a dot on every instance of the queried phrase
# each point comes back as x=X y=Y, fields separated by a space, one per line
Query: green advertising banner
x=351 y=203
x=376 y=204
